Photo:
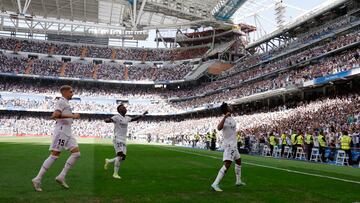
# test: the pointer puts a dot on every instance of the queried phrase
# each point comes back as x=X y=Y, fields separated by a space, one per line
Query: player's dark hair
x=65 y=88
x=118 y=108
x=224 y=108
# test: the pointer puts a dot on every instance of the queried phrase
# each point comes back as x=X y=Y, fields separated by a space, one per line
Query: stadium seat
x=277 y=152
x=315 y=156
x=287 y=152
x=266 y=151
x=300 y=153
x=341 y=158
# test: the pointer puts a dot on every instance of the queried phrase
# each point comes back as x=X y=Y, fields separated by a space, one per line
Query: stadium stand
x=327 y=52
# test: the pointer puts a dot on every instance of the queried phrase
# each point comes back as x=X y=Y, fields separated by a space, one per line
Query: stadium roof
x=131 y=19
x=126 y=19
x=148 y=13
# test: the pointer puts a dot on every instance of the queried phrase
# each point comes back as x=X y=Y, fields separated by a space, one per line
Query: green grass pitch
x=167 y=174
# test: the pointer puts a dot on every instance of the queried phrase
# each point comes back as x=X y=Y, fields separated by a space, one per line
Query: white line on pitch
x=271 y=167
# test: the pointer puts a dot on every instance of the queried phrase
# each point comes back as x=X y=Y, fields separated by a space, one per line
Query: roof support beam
x=57 y=9
x=111 y=11
x=71 y=10
x=19 y=5
x=162 y=19
x=26 y=6
x=134 y=13
x=177 y=26
x=140 y=12
x=85 y=18
x=150 y=18
x=44 y=8
x=121 y=16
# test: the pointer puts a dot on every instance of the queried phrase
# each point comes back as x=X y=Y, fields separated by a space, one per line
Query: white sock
x=220 y=175
x=69 y=163
x=45 y=167
x=117 y=165
x=238 y=173
x=112 y=160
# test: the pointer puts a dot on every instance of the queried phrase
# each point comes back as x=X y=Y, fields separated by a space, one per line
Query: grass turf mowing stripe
x=271 y=167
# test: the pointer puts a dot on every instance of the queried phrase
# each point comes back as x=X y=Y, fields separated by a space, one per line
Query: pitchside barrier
x=331 y=153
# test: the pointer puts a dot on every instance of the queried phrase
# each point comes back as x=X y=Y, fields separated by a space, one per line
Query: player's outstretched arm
x=58 y=115
x=138 y=117
x=108 y=120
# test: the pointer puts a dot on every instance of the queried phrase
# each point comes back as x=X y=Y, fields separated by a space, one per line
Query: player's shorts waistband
x=121 y=142
x=63 y=123
x=63 y=128
x=229 y=146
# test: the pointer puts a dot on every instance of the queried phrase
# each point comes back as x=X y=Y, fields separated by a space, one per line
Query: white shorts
x=62 y=141
x=119 y=147
x=231 y=154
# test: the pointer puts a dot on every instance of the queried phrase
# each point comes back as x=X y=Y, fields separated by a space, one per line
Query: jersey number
x=61 y=142
x=232 y=153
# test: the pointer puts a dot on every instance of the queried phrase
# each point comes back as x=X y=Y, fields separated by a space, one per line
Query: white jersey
x=63 y=124
x=229 y=133
x=121 y=127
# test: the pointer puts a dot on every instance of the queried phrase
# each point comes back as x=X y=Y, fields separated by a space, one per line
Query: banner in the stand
x=332 y=77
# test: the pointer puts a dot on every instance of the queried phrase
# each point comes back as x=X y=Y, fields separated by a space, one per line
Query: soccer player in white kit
x=120 y=133
x=231 y=153
x=62 y=139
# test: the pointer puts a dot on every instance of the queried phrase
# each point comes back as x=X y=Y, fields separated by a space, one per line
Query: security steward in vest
x=309 y=140
x=346 y=143
x=197 y=138
x=322 y=145
x=299 y=141
x=283 y=143
x=208 y=140
x=272 y=141
x=213 y=141
x=238 y=139
x=293 y=143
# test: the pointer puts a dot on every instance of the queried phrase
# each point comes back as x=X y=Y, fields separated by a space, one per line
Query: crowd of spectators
x=108 y=71
x=329 y=65
x=92 y=51
x=330 y=115
x=114 y=71
x=89 y=106
x=51 y=90
x=282 y=72
x=301 y=39
x=279 y=65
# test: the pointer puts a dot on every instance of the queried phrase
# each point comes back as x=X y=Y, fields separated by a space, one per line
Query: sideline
x=265 y=166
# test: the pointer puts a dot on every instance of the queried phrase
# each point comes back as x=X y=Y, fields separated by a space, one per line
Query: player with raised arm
x=120 y=133
x=62 y=139
x=231 y=153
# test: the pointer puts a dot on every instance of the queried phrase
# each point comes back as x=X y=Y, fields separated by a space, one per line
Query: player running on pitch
x=62 y=139
x=231 y=153
x=120 y=132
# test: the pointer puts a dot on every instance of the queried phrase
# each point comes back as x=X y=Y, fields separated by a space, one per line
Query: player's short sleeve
x=226 y=123
x=128 y=119
x=59 y=106
x=116 y=119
